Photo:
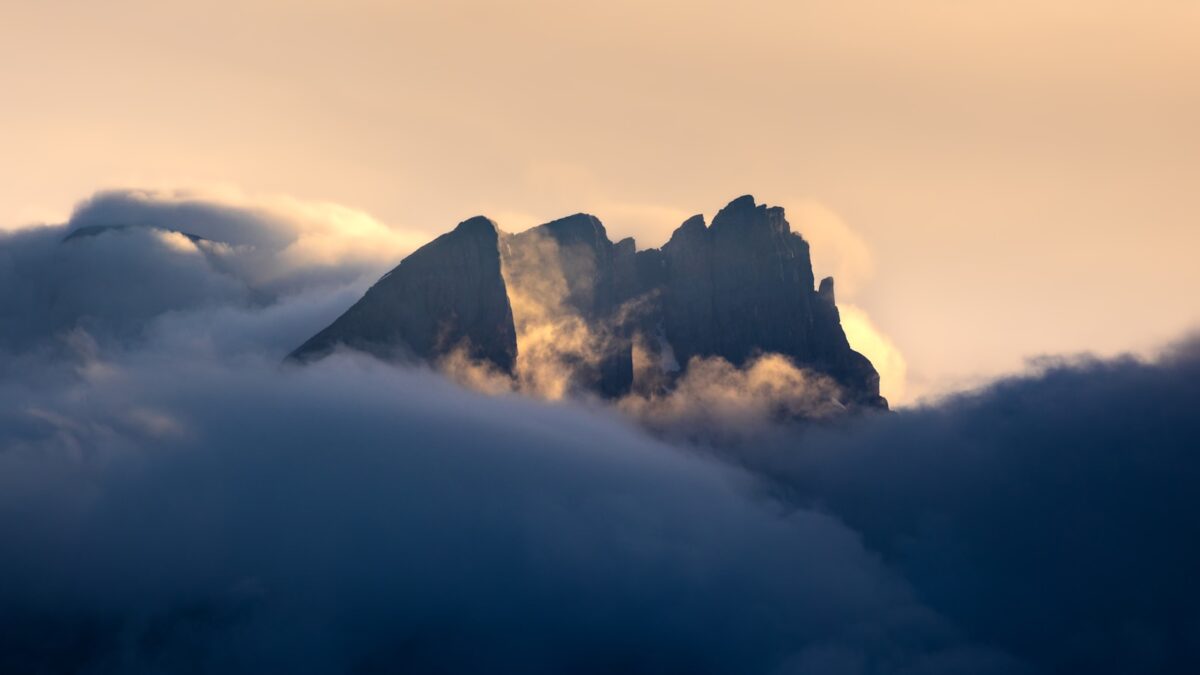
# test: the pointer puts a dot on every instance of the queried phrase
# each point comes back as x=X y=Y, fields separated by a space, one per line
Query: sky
x=989 y=181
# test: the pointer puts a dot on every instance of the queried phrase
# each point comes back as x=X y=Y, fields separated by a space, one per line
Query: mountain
x=447 y=295
x=737 y=288
x=744 y=286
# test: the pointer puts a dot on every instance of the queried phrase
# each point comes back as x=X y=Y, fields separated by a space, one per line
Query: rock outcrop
x=739 y=288
x=448 y=295
x=744 y=286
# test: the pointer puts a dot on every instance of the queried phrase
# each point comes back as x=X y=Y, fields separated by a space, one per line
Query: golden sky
x=988 y=180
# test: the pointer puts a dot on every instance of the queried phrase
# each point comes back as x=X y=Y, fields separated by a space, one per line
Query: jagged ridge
x=447 y=295
x=738 y=288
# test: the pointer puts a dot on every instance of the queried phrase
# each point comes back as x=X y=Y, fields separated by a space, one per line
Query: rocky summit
x=448 y=294
x=738 y=288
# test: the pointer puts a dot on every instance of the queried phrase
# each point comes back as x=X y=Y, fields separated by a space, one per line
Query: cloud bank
x=128 y=257
x=1053 y=513
x=174 y=500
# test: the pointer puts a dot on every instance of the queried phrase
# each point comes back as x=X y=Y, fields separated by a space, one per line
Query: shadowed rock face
x=447 y=295
x=737 y=289
x=744 y=286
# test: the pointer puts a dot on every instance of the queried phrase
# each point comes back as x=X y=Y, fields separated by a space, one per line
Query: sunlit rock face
x=447 y=296
x=568 y=283
x=561 y=309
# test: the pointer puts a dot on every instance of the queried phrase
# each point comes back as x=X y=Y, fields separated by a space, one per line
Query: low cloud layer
x=161 y=517
x=1052 y=513
x=126 y=258
x=172 y=499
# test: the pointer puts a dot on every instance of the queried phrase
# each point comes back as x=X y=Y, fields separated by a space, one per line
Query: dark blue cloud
x=157 y=518
x=127 y=258
x=1051 y=515
x=194 y=215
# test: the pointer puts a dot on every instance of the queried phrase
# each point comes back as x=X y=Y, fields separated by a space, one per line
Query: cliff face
x=736 y=289
x=744 y=286
x=447 y=295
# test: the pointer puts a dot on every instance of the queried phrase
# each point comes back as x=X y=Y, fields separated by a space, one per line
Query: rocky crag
x=448 y=294
x=606 y=313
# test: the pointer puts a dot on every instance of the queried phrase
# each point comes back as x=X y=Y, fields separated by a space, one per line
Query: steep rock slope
x=744 y=286
x=447 y=295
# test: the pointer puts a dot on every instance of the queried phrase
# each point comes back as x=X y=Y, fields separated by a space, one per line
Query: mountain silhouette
x=738 y=288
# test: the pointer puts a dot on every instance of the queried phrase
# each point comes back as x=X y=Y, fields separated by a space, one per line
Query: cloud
x=1048 y=514
x=269 y=239
x=126 y=257
x=173 y=499
x=837 y=250
x=109 y=283
x=553 y=340
x=717 y=402
x=866 y=338
x=160 y=515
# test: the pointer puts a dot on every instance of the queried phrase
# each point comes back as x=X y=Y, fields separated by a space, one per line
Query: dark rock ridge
x=741 y=287
x=447 y=295
x=744 y=286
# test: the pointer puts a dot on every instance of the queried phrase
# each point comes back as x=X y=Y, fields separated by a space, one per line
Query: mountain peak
x=446 y=296
x=737 y=289
x=825 y=290
x=478 y=225
x=745 y=202
x=575 y=228
x=696 y=222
